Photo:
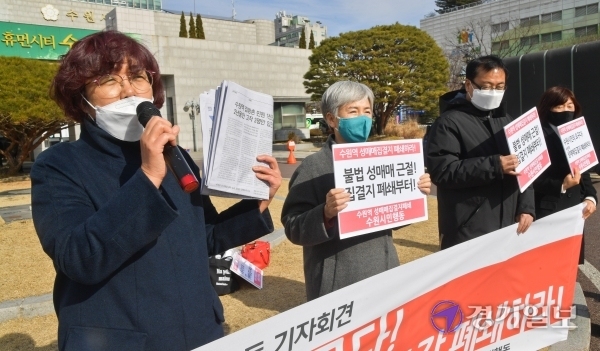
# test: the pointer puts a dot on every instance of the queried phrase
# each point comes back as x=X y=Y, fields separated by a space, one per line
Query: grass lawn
x=25 y=270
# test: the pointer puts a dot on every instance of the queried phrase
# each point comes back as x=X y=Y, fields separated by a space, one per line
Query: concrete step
x=579 y=339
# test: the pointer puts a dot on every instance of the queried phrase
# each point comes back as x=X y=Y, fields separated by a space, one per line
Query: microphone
x=173 y=156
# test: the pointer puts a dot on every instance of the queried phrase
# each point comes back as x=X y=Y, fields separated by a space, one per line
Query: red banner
x=501 y=291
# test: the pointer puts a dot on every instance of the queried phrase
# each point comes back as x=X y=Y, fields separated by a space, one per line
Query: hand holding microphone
x=159 y=149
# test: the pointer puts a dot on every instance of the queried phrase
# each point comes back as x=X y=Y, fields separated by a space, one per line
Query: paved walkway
x=15 y=213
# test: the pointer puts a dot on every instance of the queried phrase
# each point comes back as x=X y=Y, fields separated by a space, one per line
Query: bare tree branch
x=480 y=37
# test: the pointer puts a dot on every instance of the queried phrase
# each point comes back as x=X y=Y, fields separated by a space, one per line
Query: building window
x=500 y=27
x=291 y=115
x=550 y=37
x=552 y=17
x=530 y=40
x=530 y=21
x=587 y=30
x=586 y=10
x=500 y=45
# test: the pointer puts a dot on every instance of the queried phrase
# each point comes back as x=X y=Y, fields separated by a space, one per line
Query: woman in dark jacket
x=557 y=189
x=129 y=246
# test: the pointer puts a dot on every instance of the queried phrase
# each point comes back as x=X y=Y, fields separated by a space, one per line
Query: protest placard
x=577 y=143
x=526 y=140
x=496 y=292
x=247 y=270
x=381 y=178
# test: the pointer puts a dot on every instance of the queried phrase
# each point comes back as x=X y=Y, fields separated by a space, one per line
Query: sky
x=338 y=15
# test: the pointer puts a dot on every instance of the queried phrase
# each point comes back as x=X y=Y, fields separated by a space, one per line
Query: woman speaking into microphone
x=129 y=246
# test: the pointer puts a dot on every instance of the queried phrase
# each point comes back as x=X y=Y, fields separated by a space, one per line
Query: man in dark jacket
x=469 y=160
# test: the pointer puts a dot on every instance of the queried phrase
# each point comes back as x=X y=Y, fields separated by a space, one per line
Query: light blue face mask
x=355 y=129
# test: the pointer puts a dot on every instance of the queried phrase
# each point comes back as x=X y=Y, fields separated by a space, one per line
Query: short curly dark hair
x=96 y=55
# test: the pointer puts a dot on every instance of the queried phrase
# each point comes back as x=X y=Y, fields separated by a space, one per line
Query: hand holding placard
x=509 y=164
x=572 y=179
x=335 y=201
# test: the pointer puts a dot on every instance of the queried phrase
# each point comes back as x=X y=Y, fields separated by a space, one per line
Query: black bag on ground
x=221 y=277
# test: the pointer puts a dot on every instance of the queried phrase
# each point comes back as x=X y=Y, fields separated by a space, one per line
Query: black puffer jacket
x=463 y=158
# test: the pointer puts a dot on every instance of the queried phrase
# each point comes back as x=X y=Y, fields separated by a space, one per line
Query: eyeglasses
x=499 y=87
x=110 y=85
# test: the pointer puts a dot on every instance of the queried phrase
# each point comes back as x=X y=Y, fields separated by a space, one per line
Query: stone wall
x=129 y=20
x=265 y=31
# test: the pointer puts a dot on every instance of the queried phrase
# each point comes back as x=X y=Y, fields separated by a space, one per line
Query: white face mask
x=487 y=100
x=119 y=118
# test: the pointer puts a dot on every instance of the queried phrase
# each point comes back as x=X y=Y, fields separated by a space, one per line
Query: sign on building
x=38 y=42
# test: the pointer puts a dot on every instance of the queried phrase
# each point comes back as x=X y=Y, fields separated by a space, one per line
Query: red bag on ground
x=258 y=253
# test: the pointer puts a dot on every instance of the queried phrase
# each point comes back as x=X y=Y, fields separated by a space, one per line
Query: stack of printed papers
x=237 y=126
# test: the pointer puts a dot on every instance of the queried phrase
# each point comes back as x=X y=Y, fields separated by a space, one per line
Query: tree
x=479 y=37
x=27 y=114
x=445 y=5
x=457 y=63
x=192 y=30
x=311 y=42
x=182 y=31
x=199 y=28
x=303 y=40
x=401 y=64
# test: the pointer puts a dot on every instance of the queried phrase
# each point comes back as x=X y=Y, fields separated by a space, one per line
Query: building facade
x=136 y=4
x=288 y=30
x=233 y=50
x=514 y=27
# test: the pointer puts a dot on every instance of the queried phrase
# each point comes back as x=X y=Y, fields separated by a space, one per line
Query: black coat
x=463 y=157
x=548 y=196
x=131 y=260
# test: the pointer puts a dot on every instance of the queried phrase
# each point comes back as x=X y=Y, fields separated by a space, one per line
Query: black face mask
x=559 y=118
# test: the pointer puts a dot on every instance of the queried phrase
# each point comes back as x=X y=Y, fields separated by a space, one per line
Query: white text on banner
x=500 y=291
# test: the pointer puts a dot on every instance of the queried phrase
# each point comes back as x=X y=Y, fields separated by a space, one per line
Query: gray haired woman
x=313 y=203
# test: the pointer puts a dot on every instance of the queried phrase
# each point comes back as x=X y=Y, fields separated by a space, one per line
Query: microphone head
x=145 y=110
